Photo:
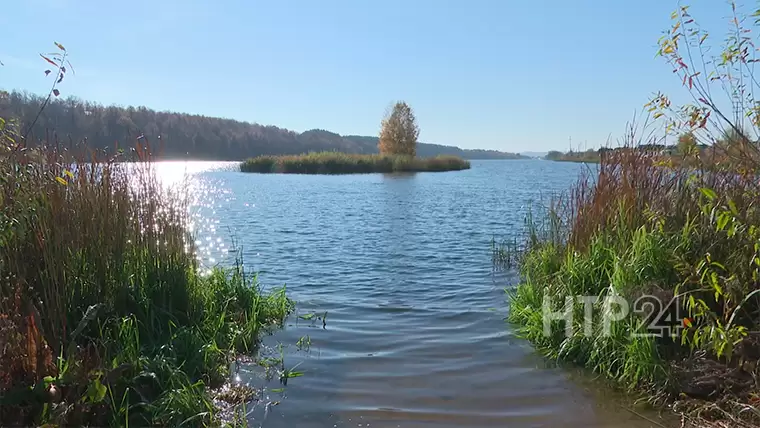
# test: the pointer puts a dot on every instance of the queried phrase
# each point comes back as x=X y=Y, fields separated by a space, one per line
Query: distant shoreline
x=73 y=120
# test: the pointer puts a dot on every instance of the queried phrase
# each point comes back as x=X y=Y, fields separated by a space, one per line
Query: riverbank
x=105 y=317
x=342 y=163
x=679 y=240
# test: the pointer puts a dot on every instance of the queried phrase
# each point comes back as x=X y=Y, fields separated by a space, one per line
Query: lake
x=415 y=333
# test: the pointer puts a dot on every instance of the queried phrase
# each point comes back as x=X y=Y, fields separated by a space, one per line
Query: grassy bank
x=648 y=270
x=341 y=163
x=104 y=317
x=648 y=233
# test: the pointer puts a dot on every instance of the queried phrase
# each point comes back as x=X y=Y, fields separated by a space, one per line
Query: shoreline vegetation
x=674 y=238
x=342 y=163
x=669 y=154
x=105 y=316
x=102 y=328
x=680 y=240
x=397 y=144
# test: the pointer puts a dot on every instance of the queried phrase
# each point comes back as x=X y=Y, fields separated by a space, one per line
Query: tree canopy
x=399 y=131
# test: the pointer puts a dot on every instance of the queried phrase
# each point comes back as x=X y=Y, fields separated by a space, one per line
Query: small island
x=397 y=148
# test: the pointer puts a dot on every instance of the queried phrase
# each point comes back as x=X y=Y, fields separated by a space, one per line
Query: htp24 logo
x=661 y=316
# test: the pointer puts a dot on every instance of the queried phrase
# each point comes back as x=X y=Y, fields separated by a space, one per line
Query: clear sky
x=499 y=74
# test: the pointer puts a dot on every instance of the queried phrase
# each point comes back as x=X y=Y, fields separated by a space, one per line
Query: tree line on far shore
x=189 y=136
x=730 y=144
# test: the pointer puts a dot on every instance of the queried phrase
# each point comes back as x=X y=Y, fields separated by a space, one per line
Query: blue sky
x=499 y=74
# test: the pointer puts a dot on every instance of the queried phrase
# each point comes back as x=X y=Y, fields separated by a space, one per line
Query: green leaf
x=89 y=315
x=709 y=193
x=720 y=265
x=723 y=219
x=96 y=391
x=732 y=207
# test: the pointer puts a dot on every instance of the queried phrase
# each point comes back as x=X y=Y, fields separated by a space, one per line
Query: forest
x=186 y=136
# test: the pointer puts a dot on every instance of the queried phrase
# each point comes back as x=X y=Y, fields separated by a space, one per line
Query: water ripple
x=415 y=333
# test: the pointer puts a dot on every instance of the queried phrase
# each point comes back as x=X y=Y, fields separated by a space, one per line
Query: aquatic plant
x=342 y=163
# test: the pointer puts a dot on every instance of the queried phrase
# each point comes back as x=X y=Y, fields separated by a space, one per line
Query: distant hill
x=369 y=145
x=189 y=136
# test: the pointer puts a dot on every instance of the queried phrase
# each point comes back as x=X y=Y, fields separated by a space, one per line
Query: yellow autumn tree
x=399 y=131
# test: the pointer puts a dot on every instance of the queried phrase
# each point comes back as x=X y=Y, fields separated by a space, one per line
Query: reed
x=642 y=227
x=104 y=316
x=342 y=163
x=679 y=228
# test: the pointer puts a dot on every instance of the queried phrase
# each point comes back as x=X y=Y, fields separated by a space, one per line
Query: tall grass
x=342 y=163
x=683 y=228
x=104 y=317
x=644 y=227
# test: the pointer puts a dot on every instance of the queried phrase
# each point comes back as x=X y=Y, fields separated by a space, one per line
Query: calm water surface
x=415 y=333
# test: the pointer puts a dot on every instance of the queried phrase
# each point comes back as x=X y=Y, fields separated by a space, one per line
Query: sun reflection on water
x=204 y=197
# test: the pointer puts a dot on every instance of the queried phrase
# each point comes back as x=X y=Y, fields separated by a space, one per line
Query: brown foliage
x=399 y=132
x=632 y=186
x=24 y=354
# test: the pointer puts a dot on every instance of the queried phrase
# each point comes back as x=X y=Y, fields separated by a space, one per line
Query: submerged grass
x=644 y=232
x=342 y=163
x=104 y=316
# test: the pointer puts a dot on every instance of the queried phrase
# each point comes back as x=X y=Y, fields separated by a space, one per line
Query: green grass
x=605 y=268
x=341 y=163
x=104 y=316
x=636 y=229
